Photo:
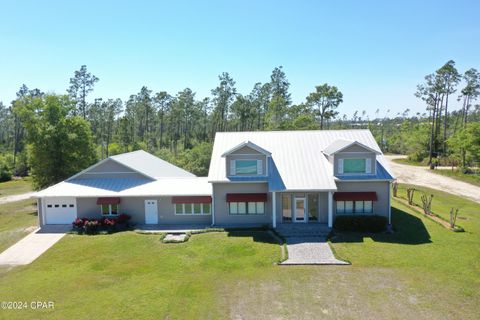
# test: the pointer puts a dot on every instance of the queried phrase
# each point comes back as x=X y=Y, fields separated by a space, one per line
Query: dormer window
x=355 y=166
x=246 y=167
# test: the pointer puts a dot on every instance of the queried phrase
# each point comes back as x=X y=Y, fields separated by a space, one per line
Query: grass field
x=15 y=187
x=421 y=271
x=469 y=178
x=16 y=218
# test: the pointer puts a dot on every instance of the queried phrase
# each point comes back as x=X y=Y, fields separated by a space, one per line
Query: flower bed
x=94 y=226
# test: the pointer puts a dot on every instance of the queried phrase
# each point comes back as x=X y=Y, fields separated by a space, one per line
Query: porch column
x=274 y=210
x=330 y=209
x=389 y=205
x=213 y=209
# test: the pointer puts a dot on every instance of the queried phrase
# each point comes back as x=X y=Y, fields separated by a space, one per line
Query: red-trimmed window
x=246 y=208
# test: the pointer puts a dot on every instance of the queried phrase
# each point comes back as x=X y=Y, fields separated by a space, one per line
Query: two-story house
x=255 y=178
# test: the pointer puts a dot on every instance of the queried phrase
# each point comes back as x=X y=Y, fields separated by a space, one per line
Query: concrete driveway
x=423 y=176
x=32 y=246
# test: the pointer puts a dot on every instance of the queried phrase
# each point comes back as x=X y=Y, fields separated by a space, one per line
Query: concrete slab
x=310 y=251
x=29 y=248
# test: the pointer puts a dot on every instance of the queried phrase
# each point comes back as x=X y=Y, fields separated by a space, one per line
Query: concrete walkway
x=310 y=250
x=31 y=247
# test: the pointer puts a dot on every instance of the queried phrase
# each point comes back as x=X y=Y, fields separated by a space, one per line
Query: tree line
x=53 y=136
x=178 y=127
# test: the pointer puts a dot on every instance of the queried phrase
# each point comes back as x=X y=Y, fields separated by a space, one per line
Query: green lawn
x=15 y=187
x=469 y=178
x=16 y=221
x=422 y=271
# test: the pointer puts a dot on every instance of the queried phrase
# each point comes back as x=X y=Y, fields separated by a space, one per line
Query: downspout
x=213 y=208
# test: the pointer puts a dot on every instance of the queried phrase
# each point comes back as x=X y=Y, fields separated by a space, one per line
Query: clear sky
x=375 y=52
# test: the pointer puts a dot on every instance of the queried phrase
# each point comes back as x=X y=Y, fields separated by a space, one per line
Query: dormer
x=246 y=160
x=351 y=158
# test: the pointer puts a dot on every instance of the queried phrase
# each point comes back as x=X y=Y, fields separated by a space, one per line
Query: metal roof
x=118 y=187
x=341 y=144
x=297 y=159
x=248 y=144
x=150 y=165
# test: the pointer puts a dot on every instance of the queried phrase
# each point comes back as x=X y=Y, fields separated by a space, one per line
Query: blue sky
x=376 y=52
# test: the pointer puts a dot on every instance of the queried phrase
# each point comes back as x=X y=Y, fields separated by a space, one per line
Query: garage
x=60 y=210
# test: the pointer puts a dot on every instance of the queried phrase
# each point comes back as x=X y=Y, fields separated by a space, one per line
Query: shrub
x=92 y=226
x=123 y=218
x=5 y=174
x=360 y=223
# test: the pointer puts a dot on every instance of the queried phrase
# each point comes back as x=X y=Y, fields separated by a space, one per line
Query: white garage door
x=60 y=210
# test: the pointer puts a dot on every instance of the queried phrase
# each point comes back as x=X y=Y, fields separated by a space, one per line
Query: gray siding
x=135 y=207
x=380 y=207
x=355 y=155
x=222 y=216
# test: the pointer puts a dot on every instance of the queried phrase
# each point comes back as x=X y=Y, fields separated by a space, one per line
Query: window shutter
x=232 y=167
x=368 y=165
x=259 y=167
x=340 y=165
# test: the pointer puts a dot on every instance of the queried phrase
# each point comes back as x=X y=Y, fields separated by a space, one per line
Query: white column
x=213 y=209
x=330 y=209
x=389 y=206
x=274 y=210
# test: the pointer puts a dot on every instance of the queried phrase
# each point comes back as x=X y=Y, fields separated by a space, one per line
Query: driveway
x=32 y=246
x=422 y=176
x=16 y=197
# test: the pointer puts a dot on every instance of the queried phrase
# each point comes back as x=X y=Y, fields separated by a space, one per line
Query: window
x=287 y=207
x=71 y=205
x=49 y=206
x=56 y=206
x=206 y=208
x=349 y=207
x=109 y=209
x=192 y=208
x=197 y=208
x=312 y=207
x=247 y=208
x=354 y=165
x=245 y=166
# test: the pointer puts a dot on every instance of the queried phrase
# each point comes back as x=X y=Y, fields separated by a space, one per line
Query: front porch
x=294 y=209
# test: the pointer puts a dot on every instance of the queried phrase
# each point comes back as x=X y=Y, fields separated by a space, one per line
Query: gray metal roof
x=341 y=144
x=118 y=187
x=297 y=159
x=150 y=165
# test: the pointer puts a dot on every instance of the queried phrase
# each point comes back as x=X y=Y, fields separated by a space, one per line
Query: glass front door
x=300 y=211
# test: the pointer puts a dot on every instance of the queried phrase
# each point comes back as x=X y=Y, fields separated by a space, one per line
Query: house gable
x=246 y=159
x=108 y=169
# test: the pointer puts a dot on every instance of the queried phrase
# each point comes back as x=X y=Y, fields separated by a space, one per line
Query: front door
x=300 y=212
x=151 y=212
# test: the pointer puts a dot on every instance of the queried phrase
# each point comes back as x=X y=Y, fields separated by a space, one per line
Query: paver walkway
x=310 y=250
x=31 y=247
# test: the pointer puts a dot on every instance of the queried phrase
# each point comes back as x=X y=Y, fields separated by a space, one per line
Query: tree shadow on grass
x=258 y=235
x=408 y=229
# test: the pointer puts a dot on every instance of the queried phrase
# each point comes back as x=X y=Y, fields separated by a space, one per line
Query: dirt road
x=422 y=176
x=17 y=197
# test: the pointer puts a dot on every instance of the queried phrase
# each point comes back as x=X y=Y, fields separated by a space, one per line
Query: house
x=255 y=178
